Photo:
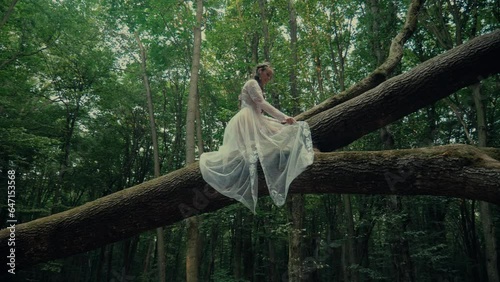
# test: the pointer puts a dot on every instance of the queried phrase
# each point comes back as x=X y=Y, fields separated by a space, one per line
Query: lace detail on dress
x=252 y=159
x=306 y=133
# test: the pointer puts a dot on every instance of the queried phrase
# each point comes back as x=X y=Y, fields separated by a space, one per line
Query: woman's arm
x=258 y=98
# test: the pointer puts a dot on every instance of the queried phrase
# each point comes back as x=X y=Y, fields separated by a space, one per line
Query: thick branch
x=406 y=93
x=453 y=171
x=457 y=170
x=380 y=74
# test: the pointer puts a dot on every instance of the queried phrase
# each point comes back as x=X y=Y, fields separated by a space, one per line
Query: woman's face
x=266 y=75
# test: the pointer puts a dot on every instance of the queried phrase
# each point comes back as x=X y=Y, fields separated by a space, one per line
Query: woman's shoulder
x=251 y=83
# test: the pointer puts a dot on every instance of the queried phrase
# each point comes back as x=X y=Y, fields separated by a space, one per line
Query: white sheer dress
x=283 y=151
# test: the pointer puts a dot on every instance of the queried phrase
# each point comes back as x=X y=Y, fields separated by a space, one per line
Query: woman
x=280 y=144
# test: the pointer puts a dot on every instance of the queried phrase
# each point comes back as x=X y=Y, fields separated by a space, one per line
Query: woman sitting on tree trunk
x=281 y=145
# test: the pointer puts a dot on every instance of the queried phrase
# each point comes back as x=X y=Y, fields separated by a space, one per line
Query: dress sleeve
x=258 y=98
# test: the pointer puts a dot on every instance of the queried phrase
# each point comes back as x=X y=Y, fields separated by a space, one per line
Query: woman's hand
x=289 y=120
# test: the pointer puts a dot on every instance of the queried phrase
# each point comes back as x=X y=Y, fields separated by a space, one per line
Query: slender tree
x=487 y=222
x=296 y=202
x=159 y=231
x=193 y=223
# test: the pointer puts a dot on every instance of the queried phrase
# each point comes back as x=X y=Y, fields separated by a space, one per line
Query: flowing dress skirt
x=283 y=151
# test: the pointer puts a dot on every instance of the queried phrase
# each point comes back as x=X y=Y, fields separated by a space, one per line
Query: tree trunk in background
x=214 y=237
x=64 y=165
x=193 y=251
x=484 y=207
x=265 y=28
x=319 y=76
x=129 y=251
x=399 y=245
x=179 y=265
x=349 y=258
x=470 y=240
x=100 y=265
x=159 y=230
x=273 y=96
x=251 y=259
x=145 y=267
x=337 y=49
x=295 y=257
x=255 y=50
x=109 y=261
x=480 y=115
x=199 y=133
x=367 y=209
x=237 y=241
x=294 y=91
x=179 y=145
x=295 y=202
x=272 y=271
x=192 y=107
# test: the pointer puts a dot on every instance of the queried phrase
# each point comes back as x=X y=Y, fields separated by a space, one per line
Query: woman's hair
x=261 y=66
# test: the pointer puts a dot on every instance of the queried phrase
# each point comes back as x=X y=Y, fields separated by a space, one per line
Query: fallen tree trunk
x=452 y=171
